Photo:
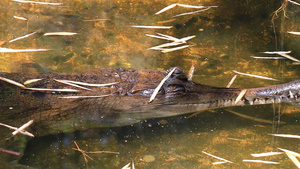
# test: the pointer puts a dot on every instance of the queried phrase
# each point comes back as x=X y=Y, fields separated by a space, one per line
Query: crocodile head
x=178 y=96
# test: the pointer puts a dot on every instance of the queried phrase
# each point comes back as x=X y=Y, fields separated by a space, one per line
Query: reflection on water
x=225 y=39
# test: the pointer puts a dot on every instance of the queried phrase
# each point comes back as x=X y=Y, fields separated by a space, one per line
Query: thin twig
x=162 y=46
x=174 y=49
x=167 y=21
x=4 y=50
x=286 y=135
x=260 y=161
x=168 y=36
x=191 y=73
x=253 y=118
x=183 y=40
x=90 y=84
x=82 y=97
x=231 y=81
x=74 y=85
x=262 y=57
x=160 y=85
x=95 y=20
x=293 y=2
x=218 y=162
x=289 y=57
x=217 y=157
x=276 y=52
x=293 y=158
x=289 y=151
x=22 y=37
x=12 y=82
x=31 y=81
x=191 y=6
x=10 y=152
x=152 y=27
x=24 y=126
x=162 y=36
x=126 y=166
x=240 y=96
x=20 y=18
x=256 y=76
x=190 y=13
x=84 y=153
x=99 y=152
x=194 y=114
x=166 y=8
x=132 y=165
x=53 y=90
x=36 y=2
x=184 y=6
x=292 y=155
x=16 y=129
x=293 y=33
x=266 y=154
x=59 y=34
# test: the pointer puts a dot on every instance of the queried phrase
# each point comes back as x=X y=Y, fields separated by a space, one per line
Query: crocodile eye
x=175 y=88
x=172 y=87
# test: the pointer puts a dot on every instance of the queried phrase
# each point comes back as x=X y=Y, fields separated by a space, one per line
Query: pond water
x=225 y=38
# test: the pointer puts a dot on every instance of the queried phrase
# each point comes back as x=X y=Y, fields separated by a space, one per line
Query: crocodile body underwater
x=63 y=103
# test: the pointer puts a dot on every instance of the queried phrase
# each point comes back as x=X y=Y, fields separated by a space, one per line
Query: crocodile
x=69 y=105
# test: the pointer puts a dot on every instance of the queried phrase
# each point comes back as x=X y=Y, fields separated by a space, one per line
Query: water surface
x=226 y=37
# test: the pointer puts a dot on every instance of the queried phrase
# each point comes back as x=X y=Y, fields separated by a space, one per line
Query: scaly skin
x=127 y=101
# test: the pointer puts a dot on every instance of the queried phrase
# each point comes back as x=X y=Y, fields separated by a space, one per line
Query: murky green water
x=226 y=37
